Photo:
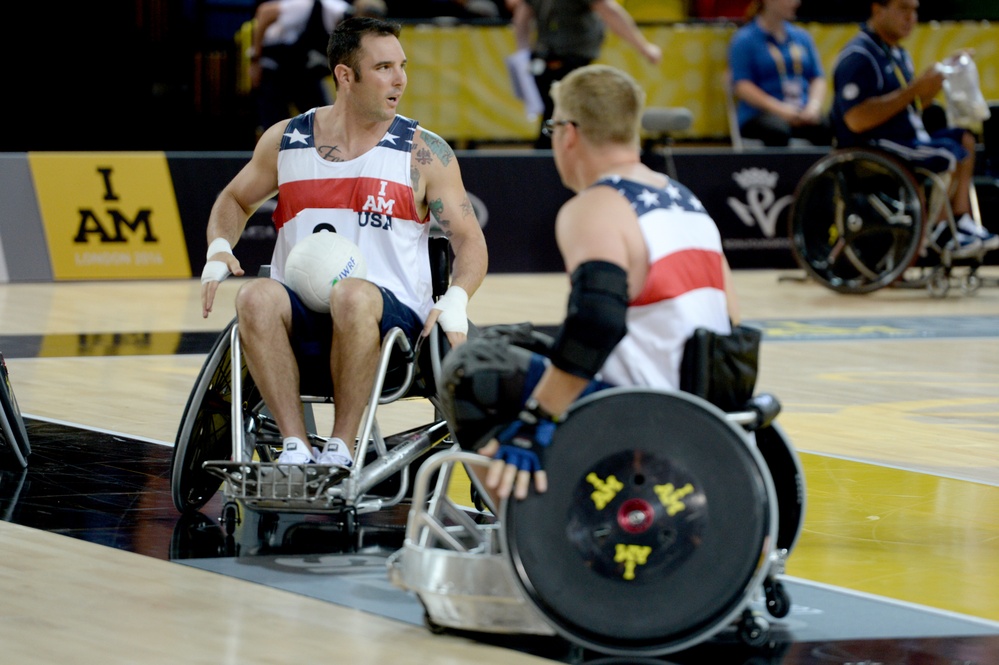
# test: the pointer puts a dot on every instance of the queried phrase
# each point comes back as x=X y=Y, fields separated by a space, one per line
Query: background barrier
x=459 y=87
x=104 y=216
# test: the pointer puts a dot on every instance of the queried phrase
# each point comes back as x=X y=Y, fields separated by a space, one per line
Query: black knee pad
x=482 y=385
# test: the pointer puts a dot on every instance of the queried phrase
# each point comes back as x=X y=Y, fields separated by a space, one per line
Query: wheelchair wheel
x=857 y=220
x=654 y=532
x=789 y=483
x=205 y=428
x=13 y=435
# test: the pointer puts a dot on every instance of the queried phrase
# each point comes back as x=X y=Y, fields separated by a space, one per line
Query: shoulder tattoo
x=435 y=146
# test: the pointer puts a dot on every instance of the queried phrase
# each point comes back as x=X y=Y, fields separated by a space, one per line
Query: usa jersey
x=368 y=200
x=684 y=289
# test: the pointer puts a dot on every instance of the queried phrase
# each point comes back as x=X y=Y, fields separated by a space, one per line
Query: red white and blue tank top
x=368 y=199
x=684 y=289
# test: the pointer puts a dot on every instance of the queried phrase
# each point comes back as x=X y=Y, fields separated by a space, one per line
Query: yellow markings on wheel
x=631 y=556
x=605 y=490
x=670 y=497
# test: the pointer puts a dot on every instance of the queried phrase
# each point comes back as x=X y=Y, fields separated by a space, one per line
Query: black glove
x=522 y=441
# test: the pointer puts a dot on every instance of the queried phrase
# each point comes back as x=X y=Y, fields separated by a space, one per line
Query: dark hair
x=345 y=41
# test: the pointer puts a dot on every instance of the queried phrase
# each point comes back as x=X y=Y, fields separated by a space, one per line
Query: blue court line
x=914 y=327
x=774 y=330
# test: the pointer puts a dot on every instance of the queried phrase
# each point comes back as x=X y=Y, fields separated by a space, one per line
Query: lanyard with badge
x=791 y=86
x=903 y=82
x=915 y=109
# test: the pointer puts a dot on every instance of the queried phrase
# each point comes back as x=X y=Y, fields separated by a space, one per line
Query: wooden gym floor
x=891 y=399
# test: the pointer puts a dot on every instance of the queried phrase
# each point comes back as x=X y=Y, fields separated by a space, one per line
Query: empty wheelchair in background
x=664 y=525
x=228 y=440
x=863 y=220
x=13 y=435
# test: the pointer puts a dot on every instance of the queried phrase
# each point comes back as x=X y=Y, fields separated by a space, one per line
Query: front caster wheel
x=778 y=600
x=754 y=630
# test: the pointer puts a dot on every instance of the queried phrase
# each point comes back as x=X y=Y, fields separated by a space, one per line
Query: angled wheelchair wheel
x=13 y=435
x=857 y=220
x=205 y=428
x=655 y=529
x=789 y=483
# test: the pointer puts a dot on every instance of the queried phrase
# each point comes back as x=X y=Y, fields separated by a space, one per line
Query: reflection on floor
x=106 y=489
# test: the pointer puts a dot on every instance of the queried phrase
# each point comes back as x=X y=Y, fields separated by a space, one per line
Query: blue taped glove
x=522 y=440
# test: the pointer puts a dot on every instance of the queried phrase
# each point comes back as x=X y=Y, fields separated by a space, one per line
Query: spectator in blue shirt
x=777 y=78
x=879 y=101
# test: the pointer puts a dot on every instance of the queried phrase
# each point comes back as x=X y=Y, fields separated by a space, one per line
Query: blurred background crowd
x=171 y=74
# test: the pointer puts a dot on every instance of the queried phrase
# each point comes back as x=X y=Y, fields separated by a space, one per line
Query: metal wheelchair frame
x=862 y=241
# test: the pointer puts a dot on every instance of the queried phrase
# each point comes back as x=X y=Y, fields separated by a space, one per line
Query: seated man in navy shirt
x=878 y=102
x=778 y=79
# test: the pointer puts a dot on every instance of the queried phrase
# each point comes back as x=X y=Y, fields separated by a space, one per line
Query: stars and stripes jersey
x=368 y=199
x=684 y=288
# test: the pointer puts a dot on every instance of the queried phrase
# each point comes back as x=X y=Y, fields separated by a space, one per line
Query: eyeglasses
x=548 y=129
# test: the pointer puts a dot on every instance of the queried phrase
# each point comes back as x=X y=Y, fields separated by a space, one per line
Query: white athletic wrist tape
x=453 y=306
x=215 y=271
x=218 y=245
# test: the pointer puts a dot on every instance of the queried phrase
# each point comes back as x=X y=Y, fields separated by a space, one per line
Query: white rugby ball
x=318 y=262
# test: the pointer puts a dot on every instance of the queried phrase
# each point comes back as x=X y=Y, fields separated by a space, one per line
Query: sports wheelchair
x=228 y=439
x=13 y=435
x=666 y=522
x=861 y=219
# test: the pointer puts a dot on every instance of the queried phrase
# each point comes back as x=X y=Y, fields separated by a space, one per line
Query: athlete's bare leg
x=263 y=309
x=356 y=308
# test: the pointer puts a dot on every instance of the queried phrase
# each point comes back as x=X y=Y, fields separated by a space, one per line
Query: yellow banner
x=459 y=86
x=110 y=215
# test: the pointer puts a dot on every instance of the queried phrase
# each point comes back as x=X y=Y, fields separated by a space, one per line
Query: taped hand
x=453 y=306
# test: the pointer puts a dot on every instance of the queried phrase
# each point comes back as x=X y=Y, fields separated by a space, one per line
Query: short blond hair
x=603 y=102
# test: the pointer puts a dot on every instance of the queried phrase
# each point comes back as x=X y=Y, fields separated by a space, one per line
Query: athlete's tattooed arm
x=437 y=146
x=437 y=209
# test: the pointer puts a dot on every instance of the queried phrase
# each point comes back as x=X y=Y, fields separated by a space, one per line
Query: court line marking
x=894 y=601
x=829 y=587
x=122 y=435
x=846 y=458
x=898 y=467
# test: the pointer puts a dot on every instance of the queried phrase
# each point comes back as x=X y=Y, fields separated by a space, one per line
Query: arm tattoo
x=437 y=209
x=423 y=156
x=326 y=152
x=466 y=208
x=414 y=175
x=439 y=147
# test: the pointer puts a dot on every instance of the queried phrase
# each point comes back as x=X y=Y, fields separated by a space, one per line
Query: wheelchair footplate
x=455 y=564
x=276 y=486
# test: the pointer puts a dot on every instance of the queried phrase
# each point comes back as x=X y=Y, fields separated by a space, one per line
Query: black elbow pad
x=596 y=319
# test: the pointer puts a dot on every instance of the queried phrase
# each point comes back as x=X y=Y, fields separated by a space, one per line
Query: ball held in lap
x=318 y=262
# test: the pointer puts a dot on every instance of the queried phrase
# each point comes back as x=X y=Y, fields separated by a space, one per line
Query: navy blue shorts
x=940 y=155
x=312 y=337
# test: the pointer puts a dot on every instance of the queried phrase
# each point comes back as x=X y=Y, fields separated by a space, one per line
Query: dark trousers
x=556 y=68
x=775 y=132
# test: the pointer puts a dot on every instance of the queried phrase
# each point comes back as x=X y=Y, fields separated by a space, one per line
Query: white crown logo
x=756 y=177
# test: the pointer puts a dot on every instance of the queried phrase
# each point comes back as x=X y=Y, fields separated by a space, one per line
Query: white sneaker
x=335 y=453
x=962 y=245
x=967 y=225
x=296 y=451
